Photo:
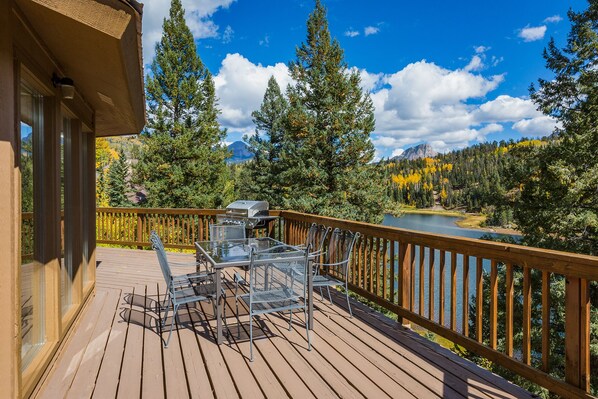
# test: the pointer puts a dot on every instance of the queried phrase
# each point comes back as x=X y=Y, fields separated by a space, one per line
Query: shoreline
x=467 y=220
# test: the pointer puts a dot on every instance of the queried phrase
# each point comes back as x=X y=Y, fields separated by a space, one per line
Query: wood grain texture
x=351 y=357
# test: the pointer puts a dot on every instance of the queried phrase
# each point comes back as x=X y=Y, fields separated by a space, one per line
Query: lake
x=441 y=225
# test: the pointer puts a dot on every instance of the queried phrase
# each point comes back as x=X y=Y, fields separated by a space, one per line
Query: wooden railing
x=436 y=282
x=178 y=228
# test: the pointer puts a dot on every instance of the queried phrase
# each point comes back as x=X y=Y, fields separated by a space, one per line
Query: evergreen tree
x=181 y=159
x=328 y=149
x=558 y=205
x=117 y=181
x=264 y=171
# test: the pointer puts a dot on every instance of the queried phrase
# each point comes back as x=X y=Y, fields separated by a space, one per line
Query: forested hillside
x=475 y=179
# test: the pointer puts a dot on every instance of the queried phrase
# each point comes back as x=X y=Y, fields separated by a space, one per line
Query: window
x=66 y=219
x=32 y=271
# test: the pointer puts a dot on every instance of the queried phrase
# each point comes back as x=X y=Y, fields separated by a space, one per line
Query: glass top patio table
x=235 y=253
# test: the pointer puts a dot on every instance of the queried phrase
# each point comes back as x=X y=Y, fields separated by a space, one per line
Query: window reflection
x=32 y=272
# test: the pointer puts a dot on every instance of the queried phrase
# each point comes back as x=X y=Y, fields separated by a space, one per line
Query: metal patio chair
x=335 y=271
x=196 y=276
x=223 y=231
x=184 y=289
x=316 y=236
x=275 y=285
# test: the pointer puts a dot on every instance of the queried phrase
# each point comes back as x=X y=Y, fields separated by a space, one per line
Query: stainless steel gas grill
x=255 y=215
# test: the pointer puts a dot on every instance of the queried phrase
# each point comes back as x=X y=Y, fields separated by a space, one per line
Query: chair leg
x=176 y=308
x=307 y=328
x=329 y=296
x=165 y=314
x=321 y=294
x=250 y=338
x=348 y=303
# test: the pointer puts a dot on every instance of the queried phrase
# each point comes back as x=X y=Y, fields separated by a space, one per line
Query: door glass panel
x=32 y=271
x=66 y=220
x=85 y=208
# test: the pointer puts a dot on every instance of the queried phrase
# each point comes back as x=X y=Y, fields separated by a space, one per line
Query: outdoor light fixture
x=67 y=87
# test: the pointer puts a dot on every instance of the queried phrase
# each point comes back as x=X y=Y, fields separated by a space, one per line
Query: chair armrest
x=331 y=264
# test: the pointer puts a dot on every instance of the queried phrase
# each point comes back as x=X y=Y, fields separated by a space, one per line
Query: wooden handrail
x=387 y=267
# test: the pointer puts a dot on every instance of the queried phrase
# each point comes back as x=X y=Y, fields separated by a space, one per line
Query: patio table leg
x=310 y=294
x=219 y=335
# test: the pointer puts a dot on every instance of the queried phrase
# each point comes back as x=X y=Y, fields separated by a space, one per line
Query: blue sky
x=448 y=73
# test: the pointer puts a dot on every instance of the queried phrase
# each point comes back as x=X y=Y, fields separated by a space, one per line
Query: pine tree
x=117 y=181
x=181 y=159
x=264 y=171
x=328 y=149
x=558 y=205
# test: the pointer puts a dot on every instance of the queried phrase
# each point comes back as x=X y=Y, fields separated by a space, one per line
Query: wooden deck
x=115 y=350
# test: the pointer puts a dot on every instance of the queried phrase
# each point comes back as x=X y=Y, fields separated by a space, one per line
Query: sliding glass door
x=32 y=266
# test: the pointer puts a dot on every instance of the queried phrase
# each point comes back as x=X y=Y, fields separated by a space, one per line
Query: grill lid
x=247 y=208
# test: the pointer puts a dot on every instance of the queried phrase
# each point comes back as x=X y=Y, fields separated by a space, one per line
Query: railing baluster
x=371 y=264
x=465 y=309
x=493 y=302
x=385 y=269
x=441 y=305
x=404 y=277
x=377 y=268
x=479 y=275
x=545 y=321
x=509 y=310
x=527 y=313
x=453 y=290
x=422 y=258
x=431 y=286
x=392 y=271
x=412 y=280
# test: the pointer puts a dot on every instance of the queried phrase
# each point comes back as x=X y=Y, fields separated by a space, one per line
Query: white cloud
x=369 y=81
x=481 y=49
x=371 y=30
x=265 y=41
x=539 y=126
x=532 y=33
x=553 y=19
x=351 y=33
x=397 y=152
x=475 y=64
x=197 y=15
x=240 y=87
x=228 y=34
x=506 y=109
x=423 y=102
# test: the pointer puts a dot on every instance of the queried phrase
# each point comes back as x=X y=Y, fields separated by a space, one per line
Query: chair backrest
x=316 y=236
x=276 y=275
x=340 y=247
x=220 y=232
x=158 y=246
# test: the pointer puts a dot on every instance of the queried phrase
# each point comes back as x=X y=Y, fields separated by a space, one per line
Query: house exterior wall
x=9 y=210
x=63 y=188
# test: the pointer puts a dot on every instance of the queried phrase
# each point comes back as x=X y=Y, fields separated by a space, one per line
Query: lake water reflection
x=439 y=224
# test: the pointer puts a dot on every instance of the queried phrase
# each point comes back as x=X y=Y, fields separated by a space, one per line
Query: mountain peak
x=240 y=152
x=419 y=151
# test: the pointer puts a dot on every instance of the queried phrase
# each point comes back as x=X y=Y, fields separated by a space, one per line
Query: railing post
x=139 y=231
x=577 y=323
x=405 y=279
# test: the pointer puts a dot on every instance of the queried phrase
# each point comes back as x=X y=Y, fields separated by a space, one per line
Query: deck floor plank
x=132 y=365
x=84 y=381
x=66 y=368
x=106 y=385
x=153 y=370
x=117 y=349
